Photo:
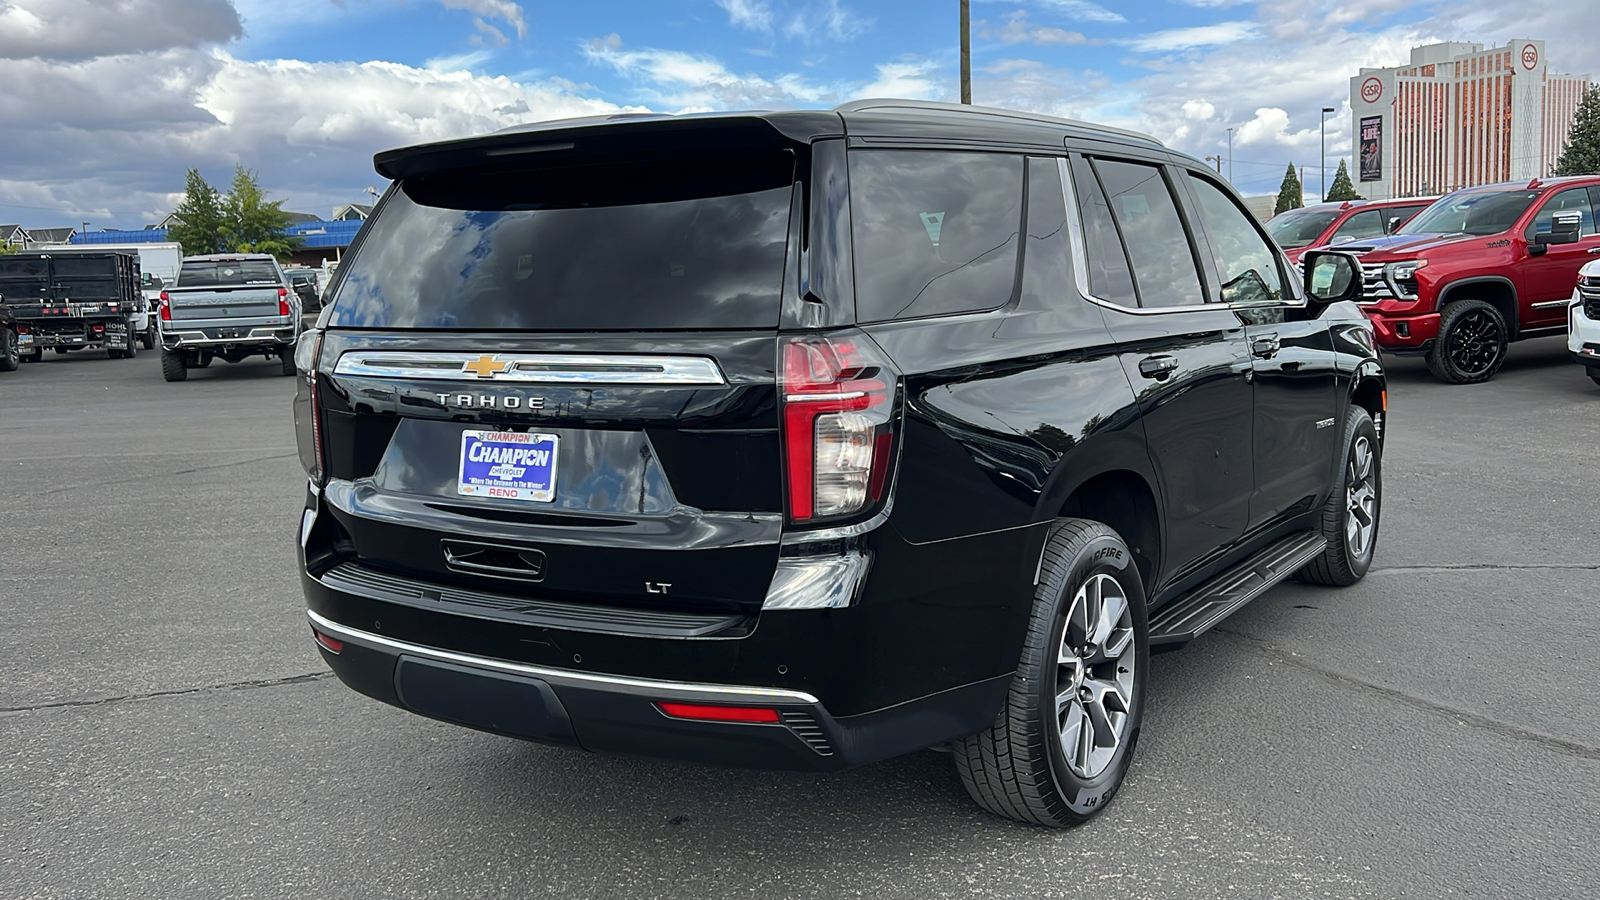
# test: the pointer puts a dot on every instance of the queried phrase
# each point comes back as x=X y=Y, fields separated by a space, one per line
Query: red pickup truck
x=1480 y=268
x=1310 y=227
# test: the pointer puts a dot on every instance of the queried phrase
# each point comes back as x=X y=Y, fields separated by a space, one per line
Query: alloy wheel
x=1094 y=676
x=1361 y=498
x=1474 y=343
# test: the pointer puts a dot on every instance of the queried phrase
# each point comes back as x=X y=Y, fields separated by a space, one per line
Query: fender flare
x=1446 y=289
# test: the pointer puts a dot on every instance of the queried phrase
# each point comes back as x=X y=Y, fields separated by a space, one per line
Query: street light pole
x=966 y=52
x=1324 y=129
x=1230 y=155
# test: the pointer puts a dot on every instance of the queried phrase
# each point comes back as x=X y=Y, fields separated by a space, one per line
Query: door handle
x=1594 y=249
x=1157 y=367
x=1264 y=347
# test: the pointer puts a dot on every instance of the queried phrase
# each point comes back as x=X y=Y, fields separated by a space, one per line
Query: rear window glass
x=1158 y=246
x=1297 y=228
x=660 y=243
x=233 y=273
x=934 y=233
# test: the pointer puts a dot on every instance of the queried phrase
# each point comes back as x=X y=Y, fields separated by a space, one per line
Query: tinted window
x=1044 y=261
x=204 y=273
x=1297 y=228
x=663 y=243
x=1471 y=212
x=1158 y=246
x=1109 y=276
x=1245 y=261
x=934 y=232
x=1576 y=199
x=1365 y=224
x=1403 y=213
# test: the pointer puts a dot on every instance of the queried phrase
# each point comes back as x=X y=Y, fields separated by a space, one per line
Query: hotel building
x=1460 y=115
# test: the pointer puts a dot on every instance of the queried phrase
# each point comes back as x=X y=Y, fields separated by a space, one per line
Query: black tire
x=10 y=356
x=1472 y=343
x=132 y=349
x=149 y=339
x=1018 y=767
x=286 y=359
x=61 y=351
x=173 y=367
x=33 y=357
x=1345 y=563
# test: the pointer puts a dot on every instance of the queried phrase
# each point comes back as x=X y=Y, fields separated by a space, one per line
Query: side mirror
x=1393 y=225
x=1564 y=228
x=1332 y=276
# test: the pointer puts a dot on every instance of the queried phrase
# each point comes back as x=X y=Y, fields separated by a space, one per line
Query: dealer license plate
x=508 y=464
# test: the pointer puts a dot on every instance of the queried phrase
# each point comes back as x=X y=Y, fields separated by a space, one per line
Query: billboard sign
x=1372 y=148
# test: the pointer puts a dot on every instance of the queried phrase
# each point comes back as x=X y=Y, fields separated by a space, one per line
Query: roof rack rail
x=932 y=105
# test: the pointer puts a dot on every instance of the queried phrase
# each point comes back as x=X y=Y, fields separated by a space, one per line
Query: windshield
x=1299 y=227
x=681 y=242
x=1476 y=212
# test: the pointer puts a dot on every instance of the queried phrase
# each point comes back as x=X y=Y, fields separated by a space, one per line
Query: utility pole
x=1230 y=155
x=966 y=52
x=1324 y=128
x=1217 y=160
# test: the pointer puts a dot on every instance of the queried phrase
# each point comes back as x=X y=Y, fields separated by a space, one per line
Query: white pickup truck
x=231 y=307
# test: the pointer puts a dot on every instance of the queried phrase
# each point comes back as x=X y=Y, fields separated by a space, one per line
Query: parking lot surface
x=167 y=729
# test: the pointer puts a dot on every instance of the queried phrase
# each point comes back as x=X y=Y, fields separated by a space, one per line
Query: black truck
x=72 y=301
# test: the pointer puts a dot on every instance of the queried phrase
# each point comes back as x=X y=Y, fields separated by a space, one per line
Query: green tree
x=197 y=222
x=251 y=223
x=1290 y=194
x=1581 y=156
x=1342 y=188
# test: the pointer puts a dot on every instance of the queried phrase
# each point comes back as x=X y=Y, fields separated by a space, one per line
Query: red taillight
x=22 y=329
x=283 y=301
x=837 y=413
x=99 y=328
x=166 y=307
x=719 y=713
x=332 y=645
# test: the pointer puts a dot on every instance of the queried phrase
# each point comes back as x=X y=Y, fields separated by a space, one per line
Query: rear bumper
x=230 y=336
x=614 y=714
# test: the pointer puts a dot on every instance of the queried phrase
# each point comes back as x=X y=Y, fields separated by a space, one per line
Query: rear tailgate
x=210 y=303
x=661 y=490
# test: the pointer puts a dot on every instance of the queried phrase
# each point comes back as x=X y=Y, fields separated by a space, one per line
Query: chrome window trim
x=1080 y=264
x=638 y=687
x=535 y=368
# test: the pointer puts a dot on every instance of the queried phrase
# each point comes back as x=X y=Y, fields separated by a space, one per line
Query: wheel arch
x=1125 y=501
x=1369 y=389
x=1495 y=290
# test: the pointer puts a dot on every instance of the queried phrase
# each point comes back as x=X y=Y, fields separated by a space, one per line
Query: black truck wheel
x=10 y=356
x=149 y=338
x=286 y=359
x=172 y=366
x=132 y=348
x=1471 y=345
x=1059 y=749
x=1350 y=517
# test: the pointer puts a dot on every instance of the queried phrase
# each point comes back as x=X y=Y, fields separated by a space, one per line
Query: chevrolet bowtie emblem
x=486 y=366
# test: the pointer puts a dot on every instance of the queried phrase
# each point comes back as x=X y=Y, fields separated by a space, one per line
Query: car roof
x=886 y=118
x=227 y=257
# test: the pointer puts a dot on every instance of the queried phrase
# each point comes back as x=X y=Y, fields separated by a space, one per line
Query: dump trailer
x=73 y=300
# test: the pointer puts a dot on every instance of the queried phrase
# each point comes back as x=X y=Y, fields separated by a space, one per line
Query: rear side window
x=235 y=273
x=1158 y=245
x=934 y=233
x=665 y=242
x=1365 y=224
x=1245 y=261
x=1110 y=279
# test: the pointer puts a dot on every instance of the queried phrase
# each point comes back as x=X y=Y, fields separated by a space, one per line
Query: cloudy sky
x=104 y=103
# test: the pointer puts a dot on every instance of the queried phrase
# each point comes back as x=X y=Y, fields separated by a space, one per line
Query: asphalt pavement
x=167 y=729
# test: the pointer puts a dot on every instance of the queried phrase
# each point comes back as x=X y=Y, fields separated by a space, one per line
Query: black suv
x=806 y=439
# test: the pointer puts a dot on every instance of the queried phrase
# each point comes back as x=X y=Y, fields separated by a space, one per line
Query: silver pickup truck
x=231 y=307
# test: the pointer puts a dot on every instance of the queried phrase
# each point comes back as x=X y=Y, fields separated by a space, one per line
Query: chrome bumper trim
x=616 y=684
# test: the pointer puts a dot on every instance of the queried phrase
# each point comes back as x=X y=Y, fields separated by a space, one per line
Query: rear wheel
x=149 y=338
x=1594 y=375
x=172 y=366
x=10 y=356
x=286 y=359
x=1471 y=345
x=1061 y=746
x=132 y=348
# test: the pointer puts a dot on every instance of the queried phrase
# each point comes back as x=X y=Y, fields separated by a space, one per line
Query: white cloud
x=1084 y=11
x=1198 y=109
x=1199 y=36
x=827 y=19
x=1018 y=30
x=911 y=80
x=755 y=15
x=84 y=29
x=111 y=137
x=504 y=10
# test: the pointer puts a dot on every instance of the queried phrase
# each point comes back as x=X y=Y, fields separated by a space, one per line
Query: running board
x=1187 y=618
